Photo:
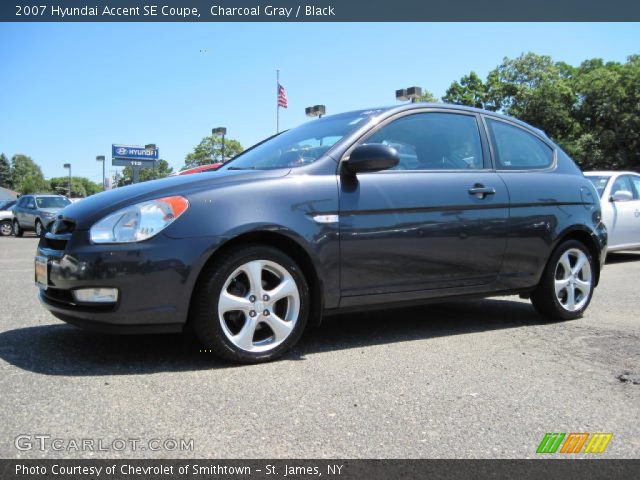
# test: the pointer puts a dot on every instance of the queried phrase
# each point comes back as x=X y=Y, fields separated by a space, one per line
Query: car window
x=23 y=201
x=52 y=202
x=433 y=141
x=600 y=182
x=622 y=183
x=517 y=149
x=30 y=203
x=635 y=180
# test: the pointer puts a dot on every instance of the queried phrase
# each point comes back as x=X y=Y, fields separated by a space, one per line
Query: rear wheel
x=567 y=284
x=17 y=231
x=6 y=228
x=251 y=305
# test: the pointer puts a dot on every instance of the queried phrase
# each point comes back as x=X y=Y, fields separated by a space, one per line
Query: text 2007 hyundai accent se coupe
x=369 y=208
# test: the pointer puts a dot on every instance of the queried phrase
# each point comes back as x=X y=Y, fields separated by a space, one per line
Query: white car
x=6 y=217
x=620 y=197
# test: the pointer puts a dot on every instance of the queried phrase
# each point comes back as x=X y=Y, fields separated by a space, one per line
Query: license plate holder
x=42 y=272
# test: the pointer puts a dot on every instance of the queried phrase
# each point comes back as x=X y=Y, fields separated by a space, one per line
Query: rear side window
x=517 y=149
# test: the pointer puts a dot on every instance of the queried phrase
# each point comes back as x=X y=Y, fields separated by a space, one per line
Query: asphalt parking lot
x=469 y=379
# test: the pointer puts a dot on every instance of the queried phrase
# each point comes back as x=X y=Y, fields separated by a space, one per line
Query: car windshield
x=6 y=205
x=52 y=202
x=600 y=182
x=302 y=145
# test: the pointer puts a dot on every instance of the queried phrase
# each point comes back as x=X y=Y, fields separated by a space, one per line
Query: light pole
x=68 y=165
x=220 y=131
x=411 y=93
x=100 y=158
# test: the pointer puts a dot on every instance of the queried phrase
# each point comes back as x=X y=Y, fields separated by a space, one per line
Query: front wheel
x=6 y=228
x=39 y=229
x=567 y=284
x=251 y=305
x=17 y=231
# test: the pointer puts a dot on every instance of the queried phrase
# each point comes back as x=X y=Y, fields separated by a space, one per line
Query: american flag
x=282 y=97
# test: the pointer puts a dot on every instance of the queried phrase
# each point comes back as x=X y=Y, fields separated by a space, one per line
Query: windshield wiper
x=241 y=168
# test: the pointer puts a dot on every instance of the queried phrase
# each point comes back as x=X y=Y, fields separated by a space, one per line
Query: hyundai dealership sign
x=132 y=152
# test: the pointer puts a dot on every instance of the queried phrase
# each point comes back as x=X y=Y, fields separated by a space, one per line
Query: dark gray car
x=36 y=212
x=365 y=209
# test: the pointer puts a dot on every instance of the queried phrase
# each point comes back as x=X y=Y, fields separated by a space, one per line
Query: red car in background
x=202 y=168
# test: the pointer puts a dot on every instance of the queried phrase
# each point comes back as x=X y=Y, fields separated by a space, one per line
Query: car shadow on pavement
x=61 y=349
x=622 y=257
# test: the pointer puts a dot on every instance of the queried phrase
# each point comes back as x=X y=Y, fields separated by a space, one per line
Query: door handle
x=480 y=191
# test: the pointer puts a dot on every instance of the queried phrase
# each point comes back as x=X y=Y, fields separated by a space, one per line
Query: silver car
x=620 y=198
x=36 y=212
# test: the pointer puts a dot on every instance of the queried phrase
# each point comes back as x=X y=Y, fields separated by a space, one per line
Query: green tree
x=5 y=172
x=536 y=90
x=428 y=97
x=161 y=170
x=608 y=112
x=27 y=176
x=80 y=186
x=470 y=91
x=209 y=150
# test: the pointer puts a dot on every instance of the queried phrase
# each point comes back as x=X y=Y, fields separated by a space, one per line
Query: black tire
x=203 y=317
x=17 y=231
x=6 y=228
x=544 y=298
x=41 y=231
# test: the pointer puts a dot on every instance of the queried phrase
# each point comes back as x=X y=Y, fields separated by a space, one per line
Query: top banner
x=321 y=11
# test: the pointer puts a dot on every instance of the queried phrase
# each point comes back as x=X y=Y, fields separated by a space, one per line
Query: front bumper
x=154 y=279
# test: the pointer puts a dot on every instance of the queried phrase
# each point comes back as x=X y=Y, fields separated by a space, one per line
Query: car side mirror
x=371 y=157
x=622 y=196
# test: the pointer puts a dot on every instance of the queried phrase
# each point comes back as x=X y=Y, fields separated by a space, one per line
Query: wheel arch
x=286 y=244
x=586 y=238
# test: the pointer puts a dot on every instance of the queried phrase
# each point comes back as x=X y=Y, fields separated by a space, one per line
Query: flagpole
x=277 y=101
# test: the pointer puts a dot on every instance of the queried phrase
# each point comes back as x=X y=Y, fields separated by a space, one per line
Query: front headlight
x=138 y=222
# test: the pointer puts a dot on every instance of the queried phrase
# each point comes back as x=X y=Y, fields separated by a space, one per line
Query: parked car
x=329 y=217
x=200 y=169
x=620 y=196
x=6 y=217
x=36 y=212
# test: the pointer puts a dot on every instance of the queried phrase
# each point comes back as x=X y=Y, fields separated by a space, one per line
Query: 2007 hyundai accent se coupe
x=372 y=208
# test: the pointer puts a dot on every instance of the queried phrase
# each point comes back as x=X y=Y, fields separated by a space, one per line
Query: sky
x=70 y=90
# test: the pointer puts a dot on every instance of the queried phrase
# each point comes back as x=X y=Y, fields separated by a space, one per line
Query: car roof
x=593 y=173
x=389 y=110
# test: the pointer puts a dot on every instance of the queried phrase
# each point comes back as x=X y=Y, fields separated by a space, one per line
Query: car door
x=20 y=208
x=635 y=181
x=625 y=221
x=435 y=221
x=29 y=213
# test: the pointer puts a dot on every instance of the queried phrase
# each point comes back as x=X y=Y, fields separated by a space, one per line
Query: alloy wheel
x=6 y=229
x=38 y=229
x=573 y=280
x=259 y=306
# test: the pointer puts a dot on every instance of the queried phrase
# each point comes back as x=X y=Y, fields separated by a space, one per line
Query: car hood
x=95 y=207
x=50 y=210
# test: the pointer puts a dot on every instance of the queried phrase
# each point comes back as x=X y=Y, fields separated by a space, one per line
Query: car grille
x=58 y=235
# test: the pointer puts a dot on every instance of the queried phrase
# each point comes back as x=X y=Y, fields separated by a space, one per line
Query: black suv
x=378 y=207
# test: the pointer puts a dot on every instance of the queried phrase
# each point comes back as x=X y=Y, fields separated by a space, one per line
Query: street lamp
x=68 y=165
x=315 y=111
x=220 y=131
x=411 y=93
x=100 y=158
